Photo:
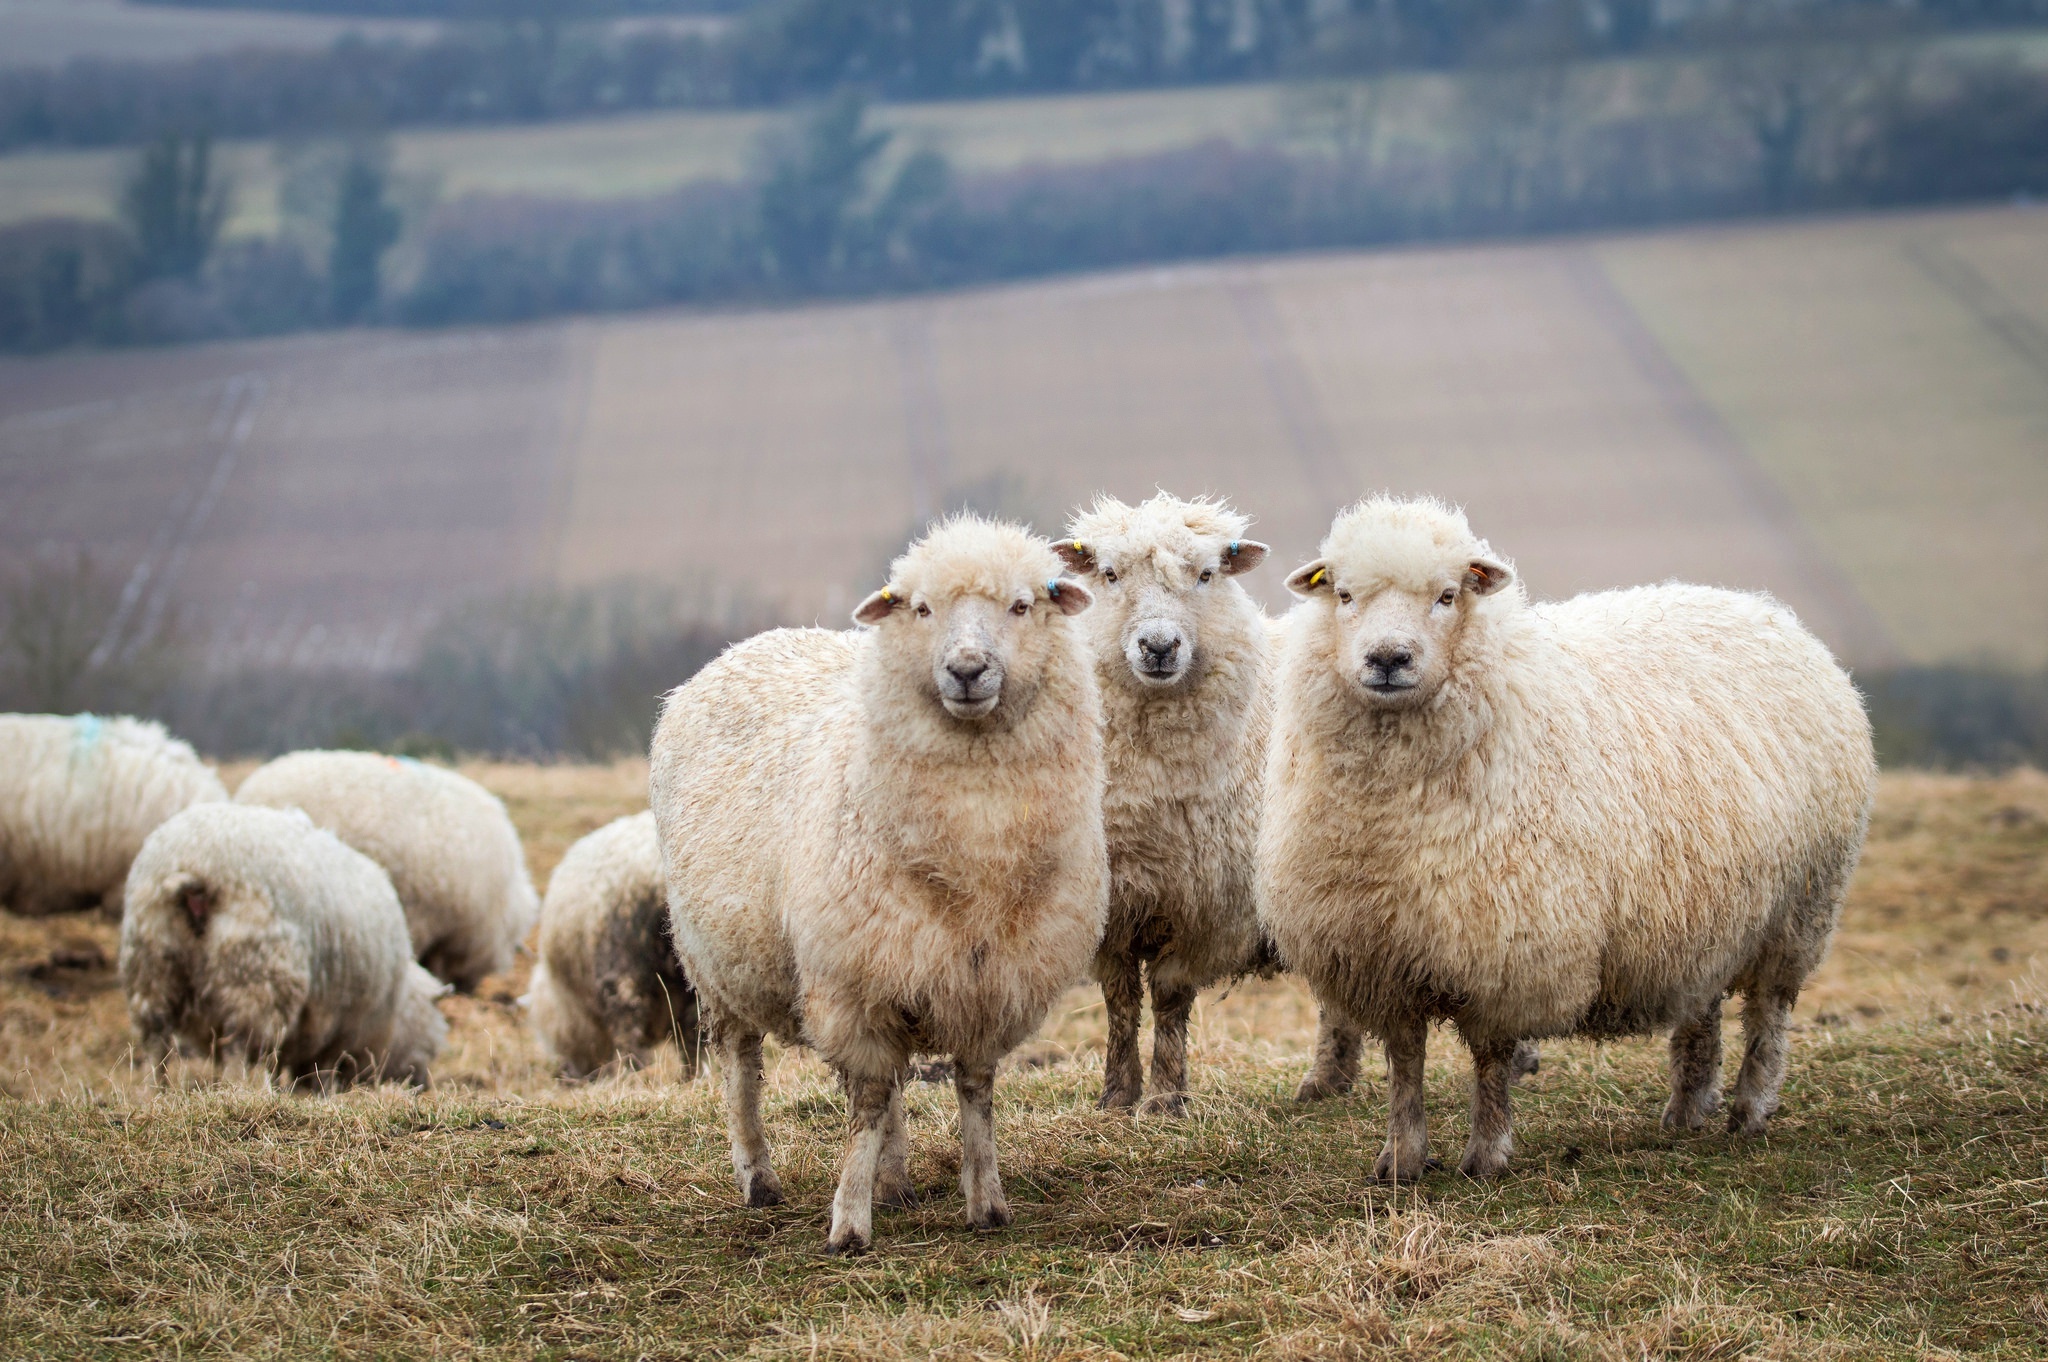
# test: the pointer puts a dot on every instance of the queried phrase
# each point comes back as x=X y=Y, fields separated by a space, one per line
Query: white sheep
x=78 y=794
x=889 y=842
x=1593 y=817
x=1181 y=660
x=251 y=932
x=447 y=843
x=608 y=986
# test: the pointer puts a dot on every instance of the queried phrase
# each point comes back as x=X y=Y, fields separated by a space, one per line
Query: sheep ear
x=1069 y=595
x=1484 y=576
x=1076 y=554
x=195 y=897
x=1310 y=578
x=877 y=607
x=1242 y=555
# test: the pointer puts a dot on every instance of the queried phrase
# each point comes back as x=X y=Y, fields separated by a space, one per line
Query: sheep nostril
x=1390 y=659
x=966 y=673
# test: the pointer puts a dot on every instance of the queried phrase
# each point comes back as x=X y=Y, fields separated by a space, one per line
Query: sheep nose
x=1159 y=647
x=966 y=671
x=1389 y=657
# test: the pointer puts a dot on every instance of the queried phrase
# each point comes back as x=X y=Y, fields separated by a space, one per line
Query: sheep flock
x=1033 y=763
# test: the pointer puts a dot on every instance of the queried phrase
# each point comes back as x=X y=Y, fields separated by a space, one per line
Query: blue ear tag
x=1052 y=587
x=1233 y=548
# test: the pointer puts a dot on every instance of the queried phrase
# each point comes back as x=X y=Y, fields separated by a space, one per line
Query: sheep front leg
x=1765 y=1013
x=975 y=1082
x=853 y=1206
x=740 y=1054
x=1695 y=1070
x=1170 y=1009
x=1335 y=1071
x=1492 y=1140
x=1407 y=1151
x=893 y=1186
x=1123 y=997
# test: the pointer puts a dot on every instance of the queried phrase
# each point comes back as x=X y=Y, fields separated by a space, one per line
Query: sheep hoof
x=1166 y=1104
x=1744 y=1119
x=1116 y=1099
x=1483 y=1164
x=763 y=1190
x=992 y=1217
x=849 y=1245
x=901 y=1196
x=1688 y=1112
x=1315 y=1088
x=1393 y=1170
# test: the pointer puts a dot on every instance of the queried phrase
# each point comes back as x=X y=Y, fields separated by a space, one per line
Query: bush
x=1958 y=717
x=62 y=281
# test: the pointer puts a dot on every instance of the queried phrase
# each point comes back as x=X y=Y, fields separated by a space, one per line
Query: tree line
x=534 y=59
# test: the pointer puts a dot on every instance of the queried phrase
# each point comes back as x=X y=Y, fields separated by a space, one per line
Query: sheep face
x=1398 y=583
x=976 y=609
x=1162 y=570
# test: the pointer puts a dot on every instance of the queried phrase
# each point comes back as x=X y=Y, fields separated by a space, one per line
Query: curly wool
x=250 y=931
x=447 y=843
x=78 y=795
x=608 y=987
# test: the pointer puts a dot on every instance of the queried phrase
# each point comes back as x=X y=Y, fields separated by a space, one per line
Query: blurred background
x=458 y=375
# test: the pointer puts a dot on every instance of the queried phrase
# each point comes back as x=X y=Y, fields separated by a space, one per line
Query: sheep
x=608 y=988
x=78 y=794
x=447 y=843
x=1592 y=817
x=250 y=931
x=889 y=841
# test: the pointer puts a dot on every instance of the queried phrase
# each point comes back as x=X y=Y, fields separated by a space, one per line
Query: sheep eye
x=1450 y=594
x=1344 y=596
x=923 y=610
x=1207 y=573
x=1109 y=574
x=1021 y=608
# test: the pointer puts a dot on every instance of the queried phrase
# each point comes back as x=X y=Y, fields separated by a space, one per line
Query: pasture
x=1895 y=1210
x=1848 y=412
x=46 y=32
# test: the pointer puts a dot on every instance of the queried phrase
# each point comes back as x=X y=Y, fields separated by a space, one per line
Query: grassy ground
x=1894 y=1211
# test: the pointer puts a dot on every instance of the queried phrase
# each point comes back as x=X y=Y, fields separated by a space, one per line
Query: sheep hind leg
x=1170 y=1009
x=1492 y=1140
x=1407 y=1151
x=1766 y=1011
x=868 y=1099
x=893 y=1186
x=740 y=1055
x=1335 y=1071
x=979 y=1182
x=1695 y=1070
x=1123 y=997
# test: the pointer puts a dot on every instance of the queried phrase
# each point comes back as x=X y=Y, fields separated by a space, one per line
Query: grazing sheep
x=608 y=986
x=78 y=794
x=447 y=843
x=250 y=931
x=1181 y=660
x=889 y=842
x=1592 y=817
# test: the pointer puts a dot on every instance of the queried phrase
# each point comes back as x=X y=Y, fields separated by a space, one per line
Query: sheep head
x=977 y=609
x=1163 y=570
x=1398 y=585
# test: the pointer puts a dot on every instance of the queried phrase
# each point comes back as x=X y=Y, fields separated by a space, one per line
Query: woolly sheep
x=889 y=842
x=447 y=843
x=250 y=931
x=78 y=794
x=608 y=986
x=1593 y=817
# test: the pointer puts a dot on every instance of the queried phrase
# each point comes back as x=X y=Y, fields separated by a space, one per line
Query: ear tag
x=1233 y=548
x=1052 y=586
x=1080 y=547
x=888 y=596
x=1317 y=579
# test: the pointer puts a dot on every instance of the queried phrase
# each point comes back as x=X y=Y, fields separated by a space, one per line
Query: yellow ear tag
x=1080 y=547
x=1315 y=580
x=888 y=597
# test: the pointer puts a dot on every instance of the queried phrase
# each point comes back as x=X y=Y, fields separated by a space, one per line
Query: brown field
x=1895 y=1210
x=1848 y=412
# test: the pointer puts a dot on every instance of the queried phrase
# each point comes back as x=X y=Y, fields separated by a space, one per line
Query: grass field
x=45 y=32
x=1895 y=1210
x=1848 y=412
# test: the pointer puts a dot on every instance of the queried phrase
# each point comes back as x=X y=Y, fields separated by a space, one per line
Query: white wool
x=250 y=931
x=607 y=988
x=1607 y=812
x=447 y=843
x=78 y=794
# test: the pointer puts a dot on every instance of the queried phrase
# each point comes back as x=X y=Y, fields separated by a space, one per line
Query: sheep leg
x=893 y=1186
x=1695 y=1070
x=1407 y=1150
x=1170 y=1009
x=1766 y=1010
x=1336 y=1066
x=975 y=1082
x=853 y=1205
x=1492 y=1140
x=1123 y=997
x=740 y=1054
x=1527 y=1060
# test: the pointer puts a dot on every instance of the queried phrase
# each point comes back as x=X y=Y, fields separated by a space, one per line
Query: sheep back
x=447 y=843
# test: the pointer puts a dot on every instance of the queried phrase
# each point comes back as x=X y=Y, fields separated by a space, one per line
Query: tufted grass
x=1895 y=1210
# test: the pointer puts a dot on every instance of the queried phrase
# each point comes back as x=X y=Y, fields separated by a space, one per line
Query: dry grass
x=1894 y=1211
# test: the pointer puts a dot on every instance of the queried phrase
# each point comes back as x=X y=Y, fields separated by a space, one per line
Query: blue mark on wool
x=85 y=730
